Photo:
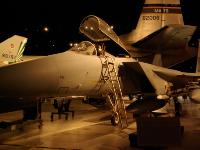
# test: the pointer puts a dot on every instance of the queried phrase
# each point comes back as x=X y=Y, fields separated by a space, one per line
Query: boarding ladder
x=110 y=76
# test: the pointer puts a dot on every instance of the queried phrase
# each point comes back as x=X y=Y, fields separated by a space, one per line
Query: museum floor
x=89 y=130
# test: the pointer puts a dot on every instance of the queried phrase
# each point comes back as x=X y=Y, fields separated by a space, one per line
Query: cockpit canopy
x=98 y=30
x=91 y=27
x=85 y=47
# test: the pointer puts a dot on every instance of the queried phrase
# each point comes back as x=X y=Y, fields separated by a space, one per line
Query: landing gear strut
x=177 y=107
x=115 y=119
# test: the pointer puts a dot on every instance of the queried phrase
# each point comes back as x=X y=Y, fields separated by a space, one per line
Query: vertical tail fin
x=11 y=50
x=155 y=15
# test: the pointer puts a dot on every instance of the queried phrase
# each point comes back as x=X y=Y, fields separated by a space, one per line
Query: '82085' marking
x=150 y=17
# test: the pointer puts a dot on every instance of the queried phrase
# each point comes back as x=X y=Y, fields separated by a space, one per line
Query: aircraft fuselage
x=62 y=74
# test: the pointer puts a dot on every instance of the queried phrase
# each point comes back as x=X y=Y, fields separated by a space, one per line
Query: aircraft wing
x=160 y=77
x=171 y=40
x=178 y=79
x=166 y=38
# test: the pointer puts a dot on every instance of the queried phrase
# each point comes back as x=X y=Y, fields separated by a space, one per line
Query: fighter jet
x=11 y=50
x=146 y=49
x=160 y=37
x=84 y=70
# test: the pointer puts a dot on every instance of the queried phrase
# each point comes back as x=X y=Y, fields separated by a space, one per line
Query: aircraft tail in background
x=155 y=15
x=11 y=50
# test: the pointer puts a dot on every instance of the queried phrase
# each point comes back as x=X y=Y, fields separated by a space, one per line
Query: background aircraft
x=155 y=15
x=11 y=50
x=160 y=37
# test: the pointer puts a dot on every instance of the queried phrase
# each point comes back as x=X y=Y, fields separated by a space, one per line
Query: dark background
x=62 y=17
